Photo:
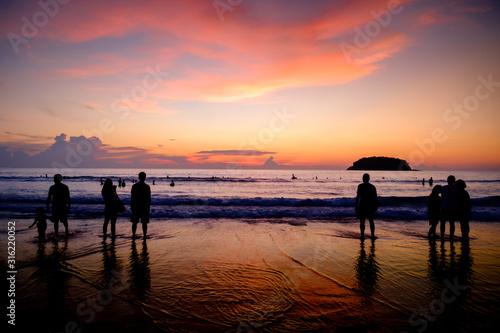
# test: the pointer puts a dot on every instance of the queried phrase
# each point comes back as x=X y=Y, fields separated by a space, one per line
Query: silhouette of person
x=449 y=206
x=434 y=210
x=41 y=223
x=61 y=204
x=293 y=176
x=431 y=181
x=464 y=209
x=366 y=204
x=172 y=183
x=140 y=202
x=110 y=197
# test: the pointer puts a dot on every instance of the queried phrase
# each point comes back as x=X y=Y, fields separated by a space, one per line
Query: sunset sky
x=203 y=83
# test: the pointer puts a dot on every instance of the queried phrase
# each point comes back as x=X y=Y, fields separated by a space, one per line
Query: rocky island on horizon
x=381 y=163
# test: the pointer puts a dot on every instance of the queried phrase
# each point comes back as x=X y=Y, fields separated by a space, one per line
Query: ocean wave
x=411 y=208
x=183 y=200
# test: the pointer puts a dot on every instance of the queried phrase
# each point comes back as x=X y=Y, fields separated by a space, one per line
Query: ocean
x=315 y=195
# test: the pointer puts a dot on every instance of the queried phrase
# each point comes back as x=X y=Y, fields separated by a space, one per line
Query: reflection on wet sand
x=451 y=276
x=140 y=274
x=111 y=266
x=367 y=272
x=51 y=275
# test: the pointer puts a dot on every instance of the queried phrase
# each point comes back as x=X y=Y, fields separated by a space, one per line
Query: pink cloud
x=251 y=53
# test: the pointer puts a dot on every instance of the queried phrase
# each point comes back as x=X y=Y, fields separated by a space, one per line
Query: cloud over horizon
x=89 y=152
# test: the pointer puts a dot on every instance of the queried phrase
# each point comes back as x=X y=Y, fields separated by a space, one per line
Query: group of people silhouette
x=140 y=202
x=450 y=203
x=59 y=197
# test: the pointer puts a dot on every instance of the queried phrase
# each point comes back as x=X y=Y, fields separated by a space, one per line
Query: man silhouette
x=366 y=204
x=61 y=203
x=140 y=202
x=449 y=205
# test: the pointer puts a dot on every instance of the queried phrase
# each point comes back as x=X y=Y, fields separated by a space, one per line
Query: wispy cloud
x=211 y=61
x=235 y=152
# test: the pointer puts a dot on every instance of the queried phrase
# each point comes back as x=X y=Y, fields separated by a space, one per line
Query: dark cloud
x=28 y=136
x=89 y=152
x=270 y=163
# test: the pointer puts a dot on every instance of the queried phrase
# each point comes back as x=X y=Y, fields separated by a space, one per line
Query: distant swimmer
x=431 y=181
x=153 y=182
x=423 y=181
x=293 y=176
x=172 y=183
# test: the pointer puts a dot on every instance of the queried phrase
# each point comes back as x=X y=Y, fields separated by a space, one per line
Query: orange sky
x=183 y=84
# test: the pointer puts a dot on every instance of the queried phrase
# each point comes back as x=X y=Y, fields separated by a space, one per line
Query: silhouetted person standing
x=449 y=205
x=366 y=204
x=61 y=203
x=434 y=210
x=110 y=197
x=140 y=202
x=464 y=208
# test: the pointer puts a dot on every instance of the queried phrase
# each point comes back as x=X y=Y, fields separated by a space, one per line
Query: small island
x=381 y=163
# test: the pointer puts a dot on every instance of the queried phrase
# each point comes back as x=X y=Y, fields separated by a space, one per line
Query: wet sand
x=275 y=275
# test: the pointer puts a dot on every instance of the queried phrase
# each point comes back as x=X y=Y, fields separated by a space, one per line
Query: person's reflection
x=51 y=281
x=110 y=264
x=445 y=269
x=56 y=273
x=367 y=271
x=139 y=271
x=441 y=264
x=465 y=263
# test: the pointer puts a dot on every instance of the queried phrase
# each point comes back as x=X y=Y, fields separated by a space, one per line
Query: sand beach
x=256 y=275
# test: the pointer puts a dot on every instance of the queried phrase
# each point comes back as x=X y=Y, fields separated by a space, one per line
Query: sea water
x=239 y=193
